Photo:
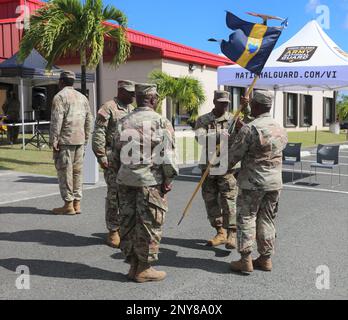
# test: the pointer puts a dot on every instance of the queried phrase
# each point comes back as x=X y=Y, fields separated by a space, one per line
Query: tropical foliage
x=63 y=26
x=187 y=91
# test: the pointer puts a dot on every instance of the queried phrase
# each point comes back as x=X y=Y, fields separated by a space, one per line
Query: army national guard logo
x=297 y=54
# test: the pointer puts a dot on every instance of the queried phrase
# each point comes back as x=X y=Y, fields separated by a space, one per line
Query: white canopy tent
x=309 y=61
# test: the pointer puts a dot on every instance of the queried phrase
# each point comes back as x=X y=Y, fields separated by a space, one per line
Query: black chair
x=327 y=158
x=291 y=156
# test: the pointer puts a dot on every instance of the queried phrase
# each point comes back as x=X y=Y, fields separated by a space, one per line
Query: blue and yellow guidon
x=251 y=44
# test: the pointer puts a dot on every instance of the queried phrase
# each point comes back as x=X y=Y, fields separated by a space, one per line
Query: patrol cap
x=144 y=89
x=222 y=96
x=68 y=75
x=127 y=85
x=263 y=97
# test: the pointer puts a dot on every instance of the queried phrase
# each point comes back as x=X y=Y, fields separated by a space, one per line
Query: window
x=328 y=111
x=306 y=111
x=290 y=109
x=181 y=116
x=236 y=94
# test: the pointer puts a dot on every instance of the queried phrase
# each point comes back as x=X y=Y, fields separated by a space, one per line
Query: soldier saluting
x=109 y=115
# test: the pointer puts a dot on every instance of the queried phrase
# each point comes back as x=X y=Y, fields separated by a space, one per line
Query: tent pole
x=21 y=90
x=275 y=103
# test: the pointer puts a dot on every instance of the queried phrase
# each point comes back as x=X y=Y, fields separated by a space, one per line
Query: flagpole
x=206 y=173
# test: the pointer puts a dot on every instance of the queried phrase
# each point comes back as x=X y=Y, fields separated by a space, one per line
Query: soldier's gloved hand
x=166 y=188
x=240 y=124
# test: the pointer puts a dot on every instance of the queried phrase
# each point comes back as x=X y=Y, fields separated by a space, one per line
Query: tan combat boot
x=113 y=239
x=263 y=263
x=133 y=261
x=145 y=273
x=231 y=239
x=220 y=238
x=77 y=206
x=67 y=209
x=244 y=265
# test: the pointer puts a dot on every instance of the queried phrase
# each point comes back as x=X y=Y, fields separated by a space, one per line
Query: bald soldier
x=259 y=146
x=144 y=147
x=109 y=115
x=219 y=191
x=71 y=126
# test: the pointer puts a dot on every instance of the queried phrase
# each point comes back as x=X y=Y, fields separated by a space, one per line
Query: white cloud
x=312 y=5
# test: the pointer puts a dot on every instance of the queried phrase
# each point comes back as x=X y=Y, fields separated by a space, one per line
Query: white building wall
x=137 y=71
x=207 y=75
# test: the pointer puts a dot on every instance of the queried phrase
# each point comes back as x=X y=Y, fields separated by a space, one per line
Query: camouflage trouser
x=142 y=214
x=69 y=163
x=111 y=200
x=256 y=212
x=220 y=195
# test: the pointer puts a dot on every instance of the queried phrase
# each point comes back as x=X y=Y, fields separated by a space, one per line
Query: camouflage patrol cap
x=221 y=96
x=263 y=97
x=127 y=85
x=68 y=75
x=144 y=89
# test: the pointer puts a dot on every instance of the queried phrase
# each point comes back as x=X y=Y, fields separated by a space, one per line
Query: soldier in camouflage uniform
x=71 y=126
x=219 y=191
x=259 y=146
x=105 y=127
x=144 y=181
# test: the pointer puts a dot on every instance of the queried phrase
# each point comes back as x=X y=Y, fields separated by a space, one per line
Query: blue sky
x=192 y=22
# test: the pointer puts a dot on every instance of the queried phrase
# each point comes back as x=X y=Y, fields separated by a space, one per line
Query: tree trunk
x=99 y=79
x=83 y=72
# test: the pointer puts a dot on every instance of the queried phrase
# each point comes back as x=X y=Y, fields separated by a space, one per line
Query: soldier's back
x=262 y=164
x=76 y=109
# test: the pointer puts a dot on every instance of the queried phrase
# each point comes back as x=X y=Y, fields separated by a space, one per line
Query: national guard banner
x=251 y=44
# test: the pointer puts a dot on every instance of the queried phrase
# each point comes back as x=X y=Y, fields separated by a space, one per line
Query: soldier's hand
x=240 y=124
x=55 y=147
x=104 y=165
x=244 y=101
x=166 y=188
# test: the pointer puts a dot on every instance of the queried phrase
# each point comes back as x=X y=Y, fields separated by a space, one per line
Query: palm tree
x=342 y=107
x=63 y=26
x=186 y=91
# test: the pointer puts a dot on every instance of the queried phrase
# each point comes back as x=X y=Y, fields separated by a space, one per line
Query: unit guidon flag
x=251 y=44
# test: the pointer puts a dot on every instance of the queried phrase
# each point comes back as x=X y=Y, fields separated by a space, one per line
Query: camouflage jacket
x=149 y=158
x=259 y=145
x=71 y=118
x=105 y=127
x=210 y=127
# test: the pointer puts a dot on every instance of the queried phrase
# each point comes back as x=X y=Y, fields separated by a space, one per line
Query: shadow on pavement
x=44 y=180
x=50 y=238
x=24 y=210
x=195 y=244
x=59 y=269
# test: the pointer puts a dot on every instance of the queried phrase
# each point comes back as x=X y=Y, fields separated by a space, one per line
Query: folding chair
x=327 y=158
x=291 y=156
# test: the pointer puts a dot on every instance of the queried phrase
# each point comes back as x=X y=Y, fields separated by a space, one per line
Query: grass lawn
x=35 y=161
x=324 y=137
x=30 y=160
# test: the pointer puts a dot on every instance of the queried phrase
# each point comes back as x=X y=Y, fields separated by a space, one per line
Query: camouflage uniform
x=259 y=146
x=71 y=125
x=142 y=203
x=104 y=132
x=219 y=192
